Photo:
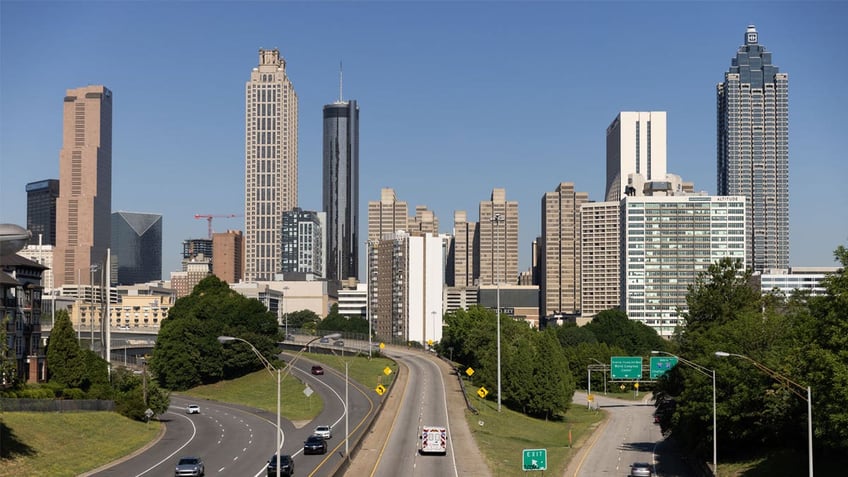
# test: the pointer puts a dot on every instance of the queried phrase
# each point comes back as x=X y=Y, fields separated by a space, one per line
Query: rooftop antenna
x=340 y=81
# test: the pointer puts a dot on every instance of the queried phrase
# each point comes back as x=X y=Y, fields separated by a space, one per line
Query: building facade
x=600 y=257
x=41 y=211
x=464 y=245
x=341 y=188
x=666 y=242
x=497 y=254
x=753 y=149
x=303 y=237
x=84 y=206
x=20 y=315
x=228 y=255
x=271 y=126
x=796 y=279
x=136 y=248
x=560 y=250
x=636 y=144
x=387 y=216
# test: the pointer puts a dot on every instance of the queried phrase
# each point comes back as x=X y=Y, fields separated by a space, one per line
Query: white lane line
x=191 y=438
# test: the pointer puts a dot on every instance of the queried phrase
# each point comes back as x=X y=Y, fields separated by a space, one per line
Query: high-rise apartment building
x=463 y=247
x=193 y=248
x=270 y=175
x=387 y=216
x=497 y=254
x=600 y=262
x=41 y=211
x=228 y=255
x=303 y=242
x=753 y=149
x=84 y=207
x=136 y=248
x=560 y=249
x=341 y=188
x=636 y=144
x=424 y=221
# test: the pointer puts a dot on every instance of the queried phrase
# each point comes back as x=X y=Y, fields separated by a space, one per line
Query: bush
x=72 y=393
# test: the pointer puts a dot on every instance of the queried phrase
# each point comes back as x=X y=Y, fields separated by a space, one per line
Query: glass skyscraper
x=136 y=248
x=753 y=150
x=41 y=211
x=341 y=188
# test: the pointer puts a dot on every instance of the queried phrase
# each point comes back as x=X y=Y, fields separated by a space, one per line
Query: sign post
x=534 y=459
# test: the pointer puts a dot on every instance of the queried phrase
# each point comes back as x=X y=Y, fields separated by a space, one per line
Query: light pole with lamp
x=708 y=373
x=497 y=219
x=285 y=313
x=92 y=268
x=780 y=378
x=347 y=425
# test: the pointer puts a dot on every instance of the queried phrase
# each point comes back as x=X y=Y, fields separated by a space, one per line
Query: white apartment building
x=805 y=279
x=636 y=144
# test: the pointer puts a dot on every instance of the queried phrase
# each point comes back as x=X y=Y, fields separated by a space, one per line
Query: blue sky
x=456 y=98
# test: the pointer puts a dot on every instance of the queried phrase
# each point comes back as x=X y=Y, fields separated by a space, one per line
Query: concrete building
x=353 y=299
x=41 y=254
x=228 y=255
x=387 y=216
x=341 y=188
x=463 y=248
x=517 y=301
x=666 y=242
x=497 y=254
x=753 y=149
x=424 y=221
x=560 y=251
x=41 y=211
x=195 y=270
x=304 y=249
x=803 y=279
x=636 y=144
x=600 y=257
x=136 y=248
x=271 y=127
x=84 y=206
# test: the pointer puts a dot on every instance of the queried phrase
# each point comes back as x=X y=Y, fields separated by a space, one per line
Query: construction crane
x=209 y=218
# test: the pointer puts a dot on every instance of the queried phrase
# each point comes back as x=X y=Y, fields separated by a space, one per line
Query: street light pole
x=285 y=313
x=781 y=378
x=709 y=373
x=497 y=219
x=347 y=413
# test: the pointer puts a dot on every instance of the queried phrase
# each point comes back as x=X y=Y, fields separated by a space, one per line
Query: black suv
x=286 y=466
x=314 y=445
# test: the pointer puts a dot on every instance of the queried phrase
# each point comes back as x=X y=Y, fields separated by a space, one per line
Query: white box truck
x=434 y=440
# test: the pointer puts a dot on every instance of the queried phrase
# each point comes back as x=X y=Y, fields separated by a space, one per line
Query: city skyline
x=491 y=95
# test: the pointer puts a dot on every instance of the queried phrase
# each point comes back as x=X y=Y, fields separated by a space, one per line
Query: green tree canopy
x=66 y=362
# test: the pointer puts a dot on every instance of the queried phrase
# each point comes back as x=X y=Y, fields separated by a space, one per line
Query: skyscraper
x=83 y=210
x=753 y=149
x=636 y=143
x=341 y=188
x=387 y=215
x=497 y=254
x=463 y=250
x=228 y=253
x=270 y=176
x=41 y=211
x=136 y=248
x=303 y=242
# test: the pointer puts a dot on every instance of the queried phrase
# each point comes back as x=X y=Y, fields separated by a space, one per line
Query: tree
x=66 y=363
x=720 y=294
x=299 y=319
x=346 y=324
x=8 y=365
x=634 y=337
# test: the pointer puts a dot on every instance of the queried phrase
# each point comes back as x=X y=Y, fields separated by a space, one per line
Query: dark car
x=314 y=445
x=339 y=343
x=286 y=465
x=640 y=469
x=317 y=370
x=190 y=467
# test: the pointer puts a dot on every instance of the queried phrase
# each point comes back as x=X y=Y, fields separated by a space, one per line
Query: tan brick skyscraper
x=84 y=206
x=560 y=250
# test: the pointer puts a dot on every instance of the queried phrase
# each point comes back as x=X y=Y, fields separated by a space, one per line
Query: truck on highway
x=434 y=440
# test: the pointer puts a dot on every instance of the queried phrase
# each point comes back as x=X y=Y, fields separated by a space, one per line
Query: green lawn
x=368 y=372
x=67 y=443
x=503 y=436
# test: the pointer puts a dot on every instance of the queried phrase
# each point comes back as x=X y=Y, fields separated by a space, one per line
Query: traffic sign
x=469 y=371
x=661 y=365
x=382 y=345
x=387 y=370
x=534 y=459
x=482 y=392
x=380 y=389
x=626 y=367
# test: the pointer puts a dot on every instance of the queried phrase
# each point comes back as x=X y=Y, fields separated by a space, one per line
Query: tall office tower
x=341 y=188
x=666 y=242
x=600 y=257
x=388 y=215
x=136 y=248
x=636 y=143
x=228 y=250
x=465 y=241
x=41 y=211
x=303 y=242
x=497 y=254
x=753 y=149
x=84 y=207
x=424 y=221
x=560 y=248
x=194 y=248
x=270 y=175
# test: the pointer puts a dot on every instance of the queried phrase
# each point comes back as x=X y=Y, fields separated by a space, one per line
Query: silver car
x=190 y=467
x=324 y=431
x=640 y=469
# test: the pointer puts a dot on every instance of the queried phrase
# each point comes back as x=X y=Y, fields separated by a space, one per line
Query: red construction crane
x=209 y=218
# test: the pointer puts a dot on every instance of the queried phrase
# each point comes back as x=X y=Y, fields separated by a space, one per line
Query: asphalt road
x=424 y=403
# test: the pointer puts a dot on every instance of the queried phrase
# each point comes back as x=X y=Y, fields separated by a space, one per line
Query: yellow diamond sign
x=469 y=371
x=482 y=392
x=380 y=389
x=382 y=345
x=387 y=370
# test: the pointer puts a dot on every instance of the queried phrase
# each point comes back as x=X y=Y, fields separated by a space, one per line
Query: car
x=324 y=340
x=339 y=343
x=640 y=469
x=286 y=465
x=192 y=409
x=190 y=467
x=317 y=370
x=314 y=445
x=325 y=432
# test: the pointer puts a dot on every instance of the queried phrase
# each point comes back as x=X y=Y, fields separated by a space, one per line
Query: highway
x=424 y=402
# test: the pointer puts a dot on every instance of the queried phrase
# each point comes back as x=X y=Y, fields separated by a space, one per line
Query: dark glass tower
x=341 y=188
x=136 y=248
x=41 y=210
x=753 y=150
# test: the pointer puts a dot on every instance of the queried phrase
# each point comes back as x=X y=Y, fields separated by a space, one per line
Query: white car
x=323 y=431
x=193 y=409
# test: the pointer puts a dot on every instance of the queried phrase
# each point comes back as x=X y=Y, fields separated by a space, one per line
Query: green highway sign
x=661 y=365
x=534 y=459
x=626 y=367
